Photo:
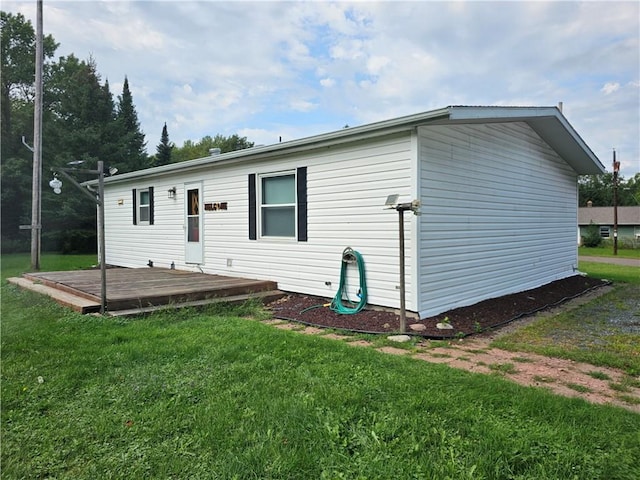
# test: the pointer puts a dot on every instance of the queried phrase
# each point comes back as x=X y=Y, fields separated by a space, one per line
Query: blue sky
x=267 y=70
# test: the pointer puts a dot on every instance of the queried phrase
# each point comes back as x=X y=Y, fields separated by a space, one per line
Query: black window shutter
x=135 y=207
x=301 y=187
x=252 y=207
x=150 y=205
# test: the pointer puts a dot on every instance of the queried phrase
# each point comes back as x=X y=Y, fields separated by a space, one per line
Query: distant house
x=497 y=187
x=628 y=222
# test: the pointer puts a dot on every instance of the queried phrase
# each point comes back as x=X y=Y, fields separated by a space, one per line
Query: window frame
x=605 y=231
x=138 y=206
x=302 y=234
x=261 y=206
x=144 y=206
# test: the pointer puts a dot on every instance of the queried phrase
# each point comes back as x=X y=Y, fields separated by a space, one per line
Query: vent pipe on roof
x=560 y=106
x=214 y=151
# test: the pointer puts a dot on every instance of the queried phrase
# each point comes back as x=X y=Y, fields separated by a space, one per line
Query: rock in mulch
x=417 y=327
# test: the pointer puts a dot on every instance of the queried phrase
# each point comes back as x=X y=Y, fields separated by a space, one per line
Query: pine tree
x=164 y=148
x=78 y=125
x=132 y=151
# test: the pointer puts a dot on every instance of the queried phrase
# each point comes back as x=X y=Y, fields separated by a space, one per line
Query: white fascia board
x=458 y=113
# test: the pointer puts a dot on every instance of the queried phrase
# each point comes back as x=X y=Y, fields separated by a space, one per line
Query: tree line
x=599 y=190
x=81 y=121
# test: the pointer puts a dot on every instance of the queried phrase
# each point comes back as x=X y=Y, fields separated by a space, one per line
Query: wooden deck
x=137 y=290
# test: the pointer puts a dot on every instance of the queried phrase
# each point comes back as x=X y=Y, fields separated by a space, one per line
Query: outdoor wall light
x=391 y=202
x=172 y=192
x=56 y=184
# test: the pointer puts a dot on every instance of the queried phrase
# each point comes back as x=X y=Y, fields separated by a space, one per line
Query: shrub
x=19 y=244
x=73 y=241
x=592 y=236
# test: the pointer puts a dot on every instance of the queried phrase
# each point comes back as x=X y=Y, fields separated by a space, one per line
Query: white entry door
x=194 y=251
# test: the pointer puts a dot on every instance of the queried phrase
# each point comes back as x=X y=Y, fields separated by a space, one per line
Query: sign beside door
x=194 y=246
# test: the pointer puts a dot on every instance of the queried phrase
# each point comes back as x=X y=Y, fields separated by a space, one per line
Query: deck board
x=131 y=288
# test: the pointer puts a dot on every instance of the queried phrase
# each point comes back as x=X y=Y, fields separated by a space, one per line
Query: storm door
x=194 y=250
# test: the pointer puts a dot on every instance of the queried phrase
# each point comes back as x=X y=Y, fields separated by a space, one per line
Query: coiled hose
x=350 y=255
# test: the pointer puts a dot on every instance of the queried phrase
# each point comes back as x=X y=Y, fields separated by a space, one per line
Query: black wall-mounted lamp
x=172 y=192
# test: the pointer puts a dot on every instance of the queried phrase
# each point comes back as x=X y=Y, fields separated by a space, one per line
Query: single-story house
x=497 y=188
x=628 y=222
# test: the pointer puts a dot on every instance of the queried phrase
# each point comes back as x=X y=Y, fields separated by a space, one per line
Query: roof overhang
x=547 y=122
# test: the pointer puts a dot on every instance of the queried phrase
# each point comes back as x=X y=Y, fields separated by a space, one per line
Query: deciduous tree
x=599 y=190
x=191 y=150
x=17 y=51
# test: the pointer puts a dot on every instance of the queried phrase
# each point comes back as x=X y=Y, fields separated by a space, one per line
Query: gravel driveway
x=629 y=262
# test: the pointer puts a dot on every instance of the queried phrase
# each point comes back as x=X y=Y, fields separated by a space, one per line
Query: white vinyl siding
x=346 y=189
x=498 y=214
x=130 y=245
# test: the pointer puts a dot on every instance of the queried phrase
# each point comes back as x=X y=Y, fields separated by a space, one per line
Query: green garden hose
x=349 y=255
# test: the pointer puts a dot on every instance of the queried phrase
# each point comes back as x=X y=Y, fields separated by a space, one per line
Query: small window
x=605 y=232
x=143 y=206
x=278 y=205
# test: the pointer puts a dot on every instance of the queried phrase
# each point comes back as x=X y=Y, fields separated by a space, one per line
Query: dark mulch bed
x=480 y=317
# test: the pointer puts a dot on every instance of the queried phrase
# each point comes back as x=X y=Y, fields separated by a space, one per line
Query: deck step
x=75 y=302
x=264 y=297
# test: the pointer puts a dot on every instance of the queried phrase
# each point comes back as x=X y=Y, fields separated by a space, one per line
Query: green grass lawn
x=209 y=394
x=15 y=264
x=616 y=273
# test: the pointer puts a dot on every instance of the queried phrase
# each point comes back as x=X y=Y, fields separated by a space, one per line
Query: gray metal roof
x=604 y=215
x=548 y=122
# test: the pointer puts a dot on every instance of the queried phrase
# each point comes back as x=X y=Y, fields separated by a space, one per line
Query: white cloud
x=376 y=63
x=327 y=82
x=302 y=105
x=292 y=69
x=610 y=87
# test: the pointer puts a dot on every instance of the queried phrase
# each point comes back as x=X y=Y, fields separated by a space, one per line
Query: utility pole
x=616 y=169
x=36 y=203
